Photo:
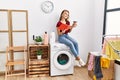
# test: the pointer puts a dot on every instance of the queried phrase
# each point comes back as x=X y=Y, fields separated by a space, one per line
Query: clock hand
x=46 y=5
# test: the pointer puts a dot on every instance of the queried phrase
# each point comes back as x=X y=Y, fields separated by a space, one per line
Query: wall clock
x=47 y=6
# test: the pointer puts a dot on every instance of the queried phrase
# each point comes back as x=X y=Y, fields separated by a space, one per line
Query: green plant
x=38 y=39
x=39 y=52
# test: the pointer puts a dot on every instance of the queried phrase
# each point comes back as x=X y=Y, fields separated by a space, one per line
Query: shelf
x=38 y=67
x=35 y=61
x=38 y=75
x=36 y=45
x=17 y=62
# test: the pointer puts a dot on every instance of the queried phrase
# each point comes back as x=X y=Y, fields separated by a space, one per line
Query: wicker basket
x=108 y=73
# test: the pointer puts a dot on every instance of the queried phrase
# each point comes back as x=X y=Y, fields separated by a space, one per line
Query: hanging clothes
x=110 y=52
x=97 y=68
x=90 y=62
x=109 y=47
x=105 y=62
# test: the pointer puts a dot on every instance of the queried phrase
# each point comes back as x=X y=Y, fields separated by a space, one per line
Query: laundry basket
x=108 y=73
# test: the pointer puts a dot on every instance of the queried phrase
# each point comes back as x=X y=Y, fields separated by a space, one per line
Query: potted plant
x=39 y=54
x=38 y=40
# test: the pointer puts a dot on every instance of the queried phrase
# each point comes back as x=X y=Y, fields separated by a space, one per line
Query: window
x=112 y=17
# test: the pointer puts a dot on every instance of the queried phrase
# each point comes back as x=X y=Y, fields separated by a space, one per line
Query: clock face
x=47 y=6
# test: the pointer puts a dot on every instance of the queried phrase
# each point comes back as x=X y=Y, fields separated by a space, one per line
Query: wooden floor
x=79 y=74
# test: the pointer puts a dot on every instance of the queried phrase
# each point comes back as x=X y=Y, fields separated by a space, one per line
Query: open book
x=64 y=27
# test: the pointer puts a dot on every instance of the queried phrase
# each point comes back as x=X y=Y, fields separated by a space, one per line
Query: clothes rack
x=112 y=35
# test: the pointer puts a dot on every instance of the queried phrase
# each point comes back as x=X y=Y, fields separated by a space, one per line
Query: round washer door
x=62 y=60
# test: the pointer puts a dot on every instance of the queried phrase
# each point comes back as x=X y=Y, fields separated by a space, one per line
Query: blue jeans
x=66 y=39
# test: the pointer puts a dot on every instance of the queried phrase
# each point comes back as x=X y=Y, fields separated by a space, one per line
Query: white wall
x=80 y=10
x=98 y=24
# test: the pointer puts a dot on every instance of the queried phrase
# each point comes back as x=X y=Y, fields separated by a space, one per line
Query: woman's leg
x=77 y=49
x=63 y=39
x=74 y=42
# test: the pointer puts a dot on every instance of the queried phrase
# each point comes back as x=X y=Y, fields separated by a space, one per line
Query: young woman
x=63 y=28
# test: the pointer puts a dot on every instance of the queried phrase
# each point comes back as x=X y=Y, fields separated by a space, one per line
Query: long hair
x=62 y=13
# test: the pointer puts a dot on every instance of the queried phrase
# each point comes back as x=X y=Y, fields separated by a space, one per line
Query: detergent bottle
x=45 y=38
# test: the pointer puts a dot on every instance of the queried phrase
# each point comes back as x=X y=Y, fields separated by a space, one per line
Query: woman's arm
x=60 y=32
x=73 y=25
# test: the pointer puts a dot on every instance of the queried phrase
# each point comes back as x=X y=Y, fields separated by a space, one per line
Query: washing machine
x=61 y=60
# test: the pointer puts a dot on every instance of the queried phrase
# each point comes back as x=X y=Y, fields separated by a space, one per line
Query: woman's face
x=65 y=15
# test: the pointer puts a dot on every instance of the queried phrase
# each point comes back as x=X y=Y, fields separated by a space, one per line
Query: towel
x=105 y=62
x=97 y=68
x=110 y=52
x=94 y=77
x=90 y=62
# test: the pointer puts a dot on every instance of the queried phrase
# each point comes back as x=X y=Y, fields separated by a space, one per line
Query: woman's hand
x=63 y=31
x=74 y=24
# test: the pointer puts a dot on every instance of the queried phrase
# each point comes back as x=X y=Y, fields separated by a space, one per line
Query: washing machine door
x=62 y=60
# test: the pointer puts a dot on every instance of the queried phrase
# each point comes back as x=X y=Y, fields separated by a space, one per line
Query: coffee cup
x=74 y=21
